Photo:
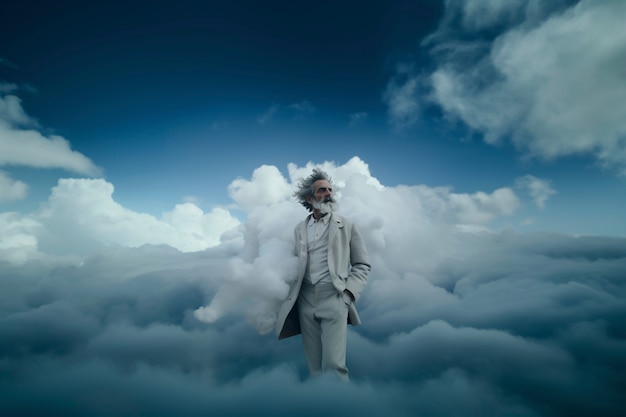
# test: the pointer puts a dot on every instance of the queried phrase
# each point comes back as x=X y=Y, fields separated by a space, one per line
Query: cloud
x=357 y=119
x=268 y=114
x=302 y=109
x=298 y=111
x=266 y=187
x=402 y=98
x=81 y=216
x=548 y=78
x=11 y=189
x=18 y=241
x=22 y=144
x=4 y=61
x=5 y=87
x=540 y=190
x=457 y=319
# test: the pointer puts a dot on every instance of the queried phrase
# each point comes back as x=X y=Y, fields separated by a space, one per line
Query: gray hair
x=305 y=187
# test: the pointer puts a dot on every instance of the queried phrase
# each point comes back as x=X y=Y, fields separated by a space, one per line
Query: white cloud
x=11 y=110
x=481 y=14
x=21 y=144
x=425 y=218
x=266 y=187
x=11 y=189
x=402 y=99
x=539 y=189
x=441 y=303
x=18 y=241
x=81 y=216
x=551 y=80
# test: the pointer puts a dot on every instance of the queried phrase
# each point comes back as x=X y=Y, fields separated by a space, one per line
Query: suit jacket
x=348 y=264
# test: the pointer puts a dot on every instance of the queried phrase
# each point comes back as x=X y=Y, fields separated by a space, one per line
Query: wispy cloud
x=550 y=78
x=402 y=99
x=357 y=119
x=302 y=109
x=6 y=62
x=268 y=114
x=297 y=111
x=539 y=189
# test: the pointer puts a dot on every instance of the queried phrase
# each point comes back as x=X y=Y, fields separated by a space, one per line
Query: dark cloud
x=516 y=325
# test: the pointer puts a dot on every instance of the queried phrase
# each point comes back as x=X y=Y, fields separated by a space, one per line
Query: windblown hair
x=305 y=187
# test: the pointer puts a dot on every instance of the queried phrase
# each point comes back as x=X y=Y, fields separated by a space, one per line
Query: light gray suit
x=348 y=265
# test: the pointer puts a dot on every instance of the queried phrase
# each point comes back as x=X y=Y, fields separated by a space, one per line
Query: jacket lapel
x=335 y=225
x=304 y=231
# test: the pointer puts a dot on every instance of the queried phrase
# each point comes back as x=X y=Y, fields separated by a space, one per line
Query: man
x=332 y=271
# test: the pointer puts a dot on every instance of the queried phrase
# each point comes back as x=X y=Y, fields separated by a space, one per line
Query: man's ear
x=308 y=199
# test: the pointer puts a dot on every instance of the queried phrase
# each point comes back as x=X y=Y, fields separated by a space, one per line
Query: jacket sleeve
x=360 y=264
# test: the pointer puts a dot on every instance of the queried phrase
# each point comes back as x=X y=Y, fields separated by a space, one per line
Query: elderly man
x=332 y=271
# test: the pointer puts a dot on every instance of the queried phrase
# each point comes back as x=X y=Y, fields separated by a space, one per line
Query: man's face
x=322 y=191
x=322 y=197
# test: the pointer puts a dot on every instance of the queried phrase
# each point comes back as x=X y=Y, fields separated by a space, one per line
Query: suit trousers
x=323 y=315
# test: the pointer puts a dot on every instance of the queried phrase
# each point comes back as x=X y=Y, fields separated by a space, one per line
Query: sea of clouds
x=457 y=318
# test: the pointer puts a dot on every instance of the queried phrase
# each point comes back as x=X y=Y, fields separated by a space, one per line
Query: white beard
x=324 y=207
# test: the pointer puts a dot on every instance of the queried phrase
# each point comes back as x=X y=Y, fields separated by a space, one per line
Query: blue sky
x=176 y=100
x=148 y=156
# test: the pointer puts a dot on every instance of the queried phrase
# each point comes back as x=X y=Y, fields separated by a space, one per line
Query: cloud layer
x=457 y=319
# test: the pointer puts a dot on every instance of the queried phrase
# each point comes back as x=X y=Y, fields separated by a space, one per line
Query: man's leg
x=310 y=327
x=332 y=314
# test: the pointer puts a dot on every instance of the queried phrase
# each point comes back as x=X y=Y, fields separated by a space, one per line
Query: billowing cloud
x=457 y=319
x=81 y=216
x=18 y=241
x=266 y=187
x=551 y=79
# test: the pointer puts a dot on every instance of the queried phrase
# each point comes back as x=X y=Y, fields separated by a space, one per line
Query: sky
x=148 y=156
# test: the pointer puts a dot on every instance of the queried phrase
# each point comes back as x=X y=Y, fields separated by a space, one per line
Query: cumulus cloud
x=455 y=321
x=81 y=216
x=549 y=79
x=18 y=241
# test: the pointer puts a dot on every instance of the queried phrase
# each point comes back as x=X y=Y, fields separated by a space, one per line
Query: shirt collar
x=324 y=219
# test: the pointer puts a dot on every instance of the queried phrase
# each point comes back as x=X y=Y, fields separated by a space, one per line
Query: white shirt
x=317 y=242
